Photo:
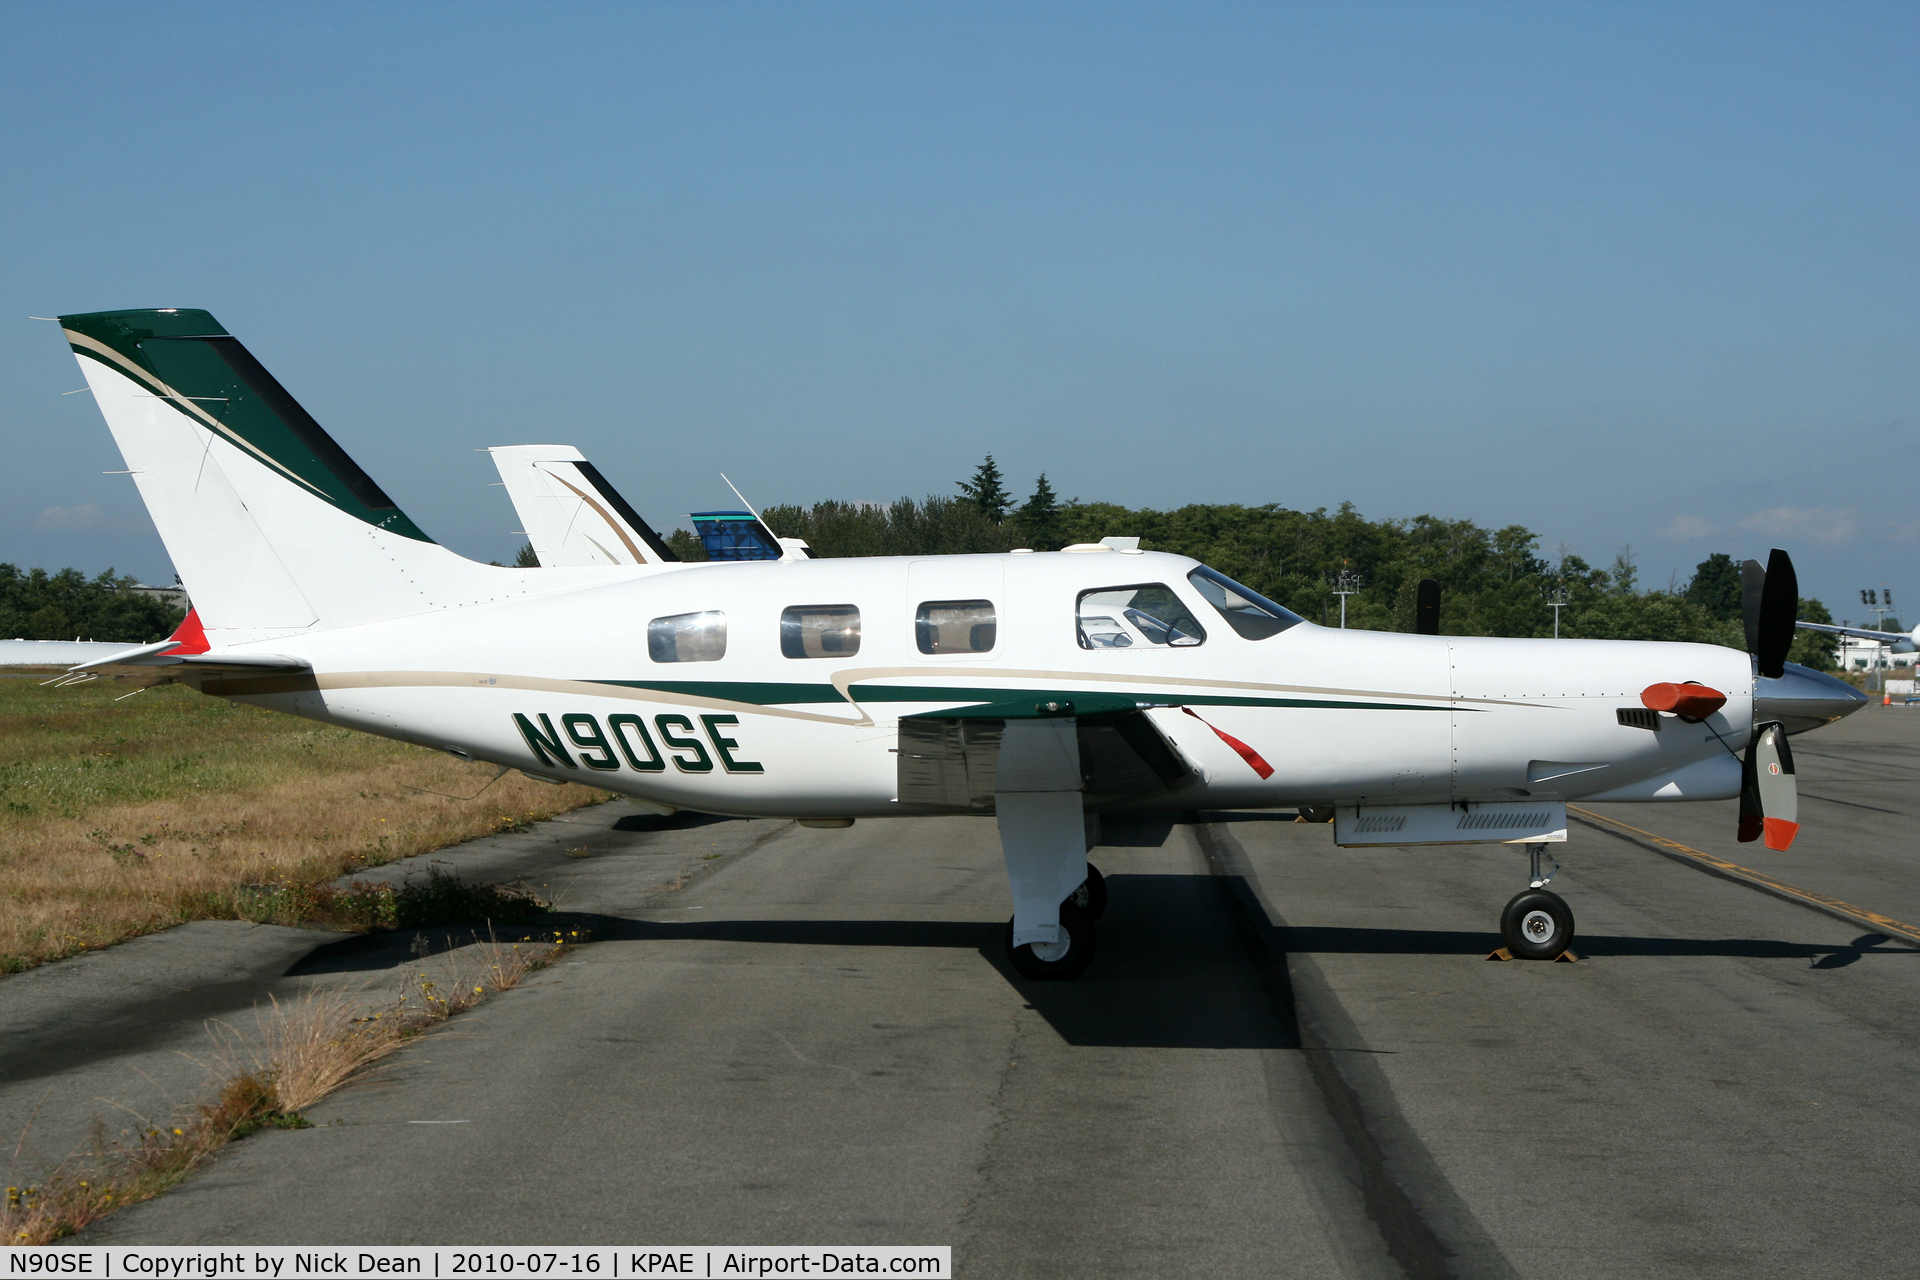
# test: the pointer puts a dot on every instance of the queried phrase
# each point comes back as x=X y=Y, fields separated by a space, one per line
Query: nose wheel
x=1537 y=925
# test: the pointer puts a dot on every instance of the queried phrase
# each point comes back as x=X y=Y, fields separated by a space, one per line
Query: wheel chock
x=1565 y=957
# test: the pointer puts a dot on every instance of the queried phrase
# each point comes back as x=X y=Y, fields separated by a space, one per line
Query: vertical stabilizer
x=569 y=511
x=272 y=528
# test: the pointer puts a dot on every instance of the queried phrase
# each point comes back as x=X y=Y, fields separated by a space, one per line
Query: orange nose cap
x=1693 y=701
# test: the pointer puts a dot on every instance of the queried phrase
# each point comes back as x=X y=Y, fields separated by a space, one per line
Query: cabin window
x=688 y=637
x=820 y=631
x=1145 y=616
x=1250 y=614
x=955 y=626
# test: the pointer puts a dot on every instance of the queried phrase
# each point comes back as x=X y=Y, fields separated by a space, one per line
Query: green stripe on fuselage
x=781 y=694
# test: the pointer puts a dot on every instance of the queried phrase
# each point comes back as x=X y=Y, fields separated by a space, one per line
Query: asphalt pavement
x=1287 y=1058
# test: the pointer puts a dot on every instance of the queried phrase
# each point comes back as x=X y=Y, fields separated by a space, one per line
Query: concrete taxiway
x=1287 y=1059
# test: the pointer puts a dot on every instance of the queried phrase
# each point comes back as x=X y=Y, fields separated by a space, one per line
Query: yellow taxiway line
x=1870 y=920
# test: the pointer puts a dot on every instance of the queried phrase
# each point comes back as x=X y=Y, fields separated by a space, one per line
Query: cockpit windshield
x=1250 y=614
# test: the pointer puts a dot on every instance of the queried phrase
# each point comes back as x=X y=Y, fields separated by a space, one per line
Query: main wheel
x=1537 y=925
x=1057 y=960
x=1091 y=896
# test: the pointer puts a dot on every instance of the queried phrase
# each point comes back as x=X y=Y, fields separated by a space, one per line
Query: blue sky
x=1623 y=274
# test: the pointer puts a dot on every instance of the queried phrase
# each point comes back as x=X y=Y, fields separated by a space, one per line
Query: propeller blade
x=1426 y=609
x=1753 y=584
x=1779 y=604
x=1751 y=822
x=1779 y=796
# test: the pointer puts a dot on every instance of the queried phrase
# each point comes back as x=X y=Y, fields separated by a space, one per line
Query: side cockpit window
x=1251 y=615
x=820 y=631
x=688 y=637
x=1145 y=616
x=955 y=626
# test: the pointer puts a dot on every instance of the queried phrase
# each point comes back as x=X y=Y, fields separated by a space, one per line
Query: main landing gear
x=1070 y=955
x=1537 y=924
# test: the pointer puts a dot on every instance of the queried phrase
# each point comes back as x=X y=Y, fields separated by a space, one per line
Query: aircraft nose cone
x=1802 y=698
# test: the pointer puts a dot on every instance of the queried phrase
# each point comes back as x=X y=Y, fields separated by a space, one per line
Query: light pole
x=1344 y=585
x=1874 y=601
x=1557 y=603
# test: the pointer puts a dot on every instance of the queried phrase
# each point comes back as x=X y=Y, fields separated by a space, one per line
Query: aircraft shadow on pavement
x=1316 y=940
x=684 y=820
x=1173 y=968
x=1172 y=972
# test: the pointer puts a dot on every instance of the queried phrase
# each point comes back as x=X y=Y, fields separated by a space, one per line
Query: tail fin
x=570 y=513
x=273 y=529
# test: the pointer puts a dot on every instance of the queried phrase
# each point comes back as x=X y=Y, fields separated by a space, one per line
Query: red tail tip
x=191 y=635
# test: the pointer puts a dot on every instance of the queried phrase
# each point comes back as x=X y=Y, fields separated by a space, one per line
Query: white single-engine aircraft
x=1039 y=688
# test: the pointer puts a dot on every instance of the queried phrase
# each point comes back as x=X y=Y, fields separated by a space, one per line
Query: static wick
x=504 y=770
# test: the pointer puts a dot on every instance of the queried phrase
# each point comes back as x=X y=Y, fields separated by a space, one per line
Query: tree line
x=1494 y=582
x=68 y=605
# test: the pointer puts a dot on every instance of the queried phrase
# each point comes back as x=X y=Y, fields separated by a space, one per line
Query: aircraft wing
x=570 y=513
x=1895 y=638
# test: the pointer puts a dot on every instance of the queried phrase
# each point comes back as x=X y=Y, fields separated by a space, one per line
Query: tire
x=1537 y=925
x=1080 y=942
x=1091 y=896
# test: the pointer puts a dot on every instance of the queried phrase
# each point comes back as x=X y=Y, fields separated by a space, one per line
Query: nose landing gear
x=1537 y=924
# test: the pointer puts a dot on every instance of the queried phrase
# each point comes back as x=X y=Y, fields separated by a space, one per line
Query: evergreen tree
x=988 y=491
x=1716 y=586
x=1039 y=518
x=527 y=559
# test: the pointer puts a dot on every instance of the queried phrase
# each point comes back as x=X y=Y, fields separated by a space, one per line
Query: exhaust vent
x=1638 y=718
x=1498 y=820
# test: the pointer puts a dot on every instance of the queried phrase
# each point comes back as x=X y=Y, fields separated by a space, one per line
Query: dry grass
x=295 y=1055
x=118 y=819
x=469 y=975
